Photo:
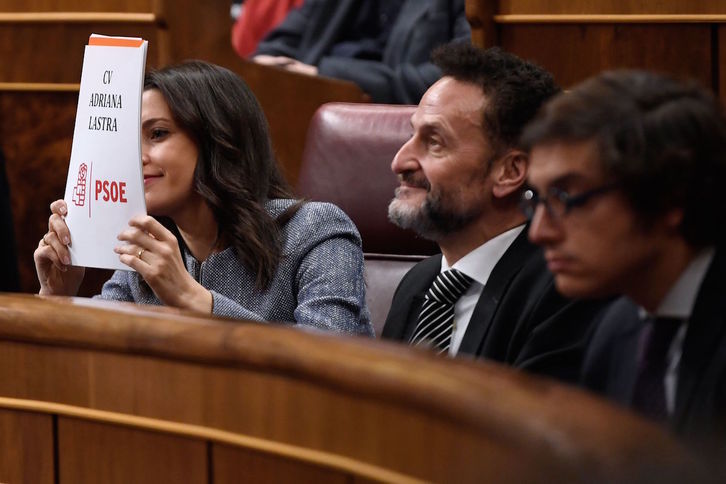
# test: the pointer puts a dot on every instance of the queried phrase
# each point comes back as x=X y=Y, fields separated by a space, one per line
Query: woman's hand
x=53 y=259
x=153 y=252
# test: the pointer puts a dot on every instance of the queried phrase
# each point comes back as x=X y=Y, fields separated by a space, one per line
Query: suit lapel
x=705 y=332
x=504 y=271
x=625 y=355
x=403 y=316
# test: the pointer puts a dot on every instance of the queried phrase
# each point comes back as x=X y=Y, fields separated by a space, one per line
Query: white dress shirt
x=477 y=264
x=678 y=303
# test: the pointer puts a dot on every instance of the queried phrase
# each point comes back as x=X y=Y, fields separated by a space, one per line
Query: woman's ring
x=140 y=252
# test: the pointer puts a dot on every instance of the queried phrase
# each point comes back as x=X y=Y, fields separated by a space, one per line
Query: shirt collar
x=679 y=301
x=479 y=263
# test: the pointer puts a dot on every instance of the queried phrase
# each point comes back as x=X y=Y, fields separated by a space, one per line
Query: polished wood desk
x=102 y=392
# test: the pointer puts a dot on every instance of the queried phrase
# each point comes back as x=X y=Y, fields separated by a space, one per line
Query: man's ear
x=509 y=173
x=673 y=220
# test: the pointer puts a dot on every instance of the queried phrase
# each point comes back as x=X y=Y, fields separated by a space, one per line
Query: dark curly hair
x=236 y=171
x=661 y=140
x=515 y=89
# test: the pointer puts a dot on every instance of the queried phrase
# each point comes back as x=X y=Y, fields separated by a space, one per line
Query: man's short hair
x=515 y=89
x=662 y=141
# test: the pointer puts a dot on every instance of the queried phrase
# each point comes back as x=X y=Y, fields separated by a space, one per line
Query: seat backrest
x=383 y=273
x=347 y=161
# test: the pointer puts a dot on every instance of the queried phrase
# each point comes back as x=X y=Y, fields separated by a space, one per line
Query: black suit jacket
x=700 y=411
x=520 y=319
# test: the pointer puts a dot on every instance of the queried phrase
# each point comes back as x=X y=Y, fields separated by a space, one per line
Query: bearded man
x=489 y=293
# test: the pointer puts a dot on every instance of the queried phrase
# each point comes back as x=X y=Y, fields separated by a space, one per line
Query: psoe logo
x=79 y=191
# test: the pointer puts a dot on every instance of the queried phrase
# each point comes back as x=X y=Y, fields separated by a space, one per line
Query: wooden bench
x=93 y=391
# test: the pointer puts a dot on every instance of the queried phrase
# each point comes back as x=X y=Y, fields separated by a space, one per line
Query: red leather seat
x=347 y=161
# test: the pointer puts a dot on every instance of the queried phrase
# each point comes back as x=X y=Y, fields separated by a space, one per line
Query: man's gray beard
x=432 y=220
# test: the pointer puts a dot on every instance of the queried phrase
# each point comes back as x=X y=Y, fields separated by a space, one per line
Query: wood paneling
x=36 y=169
x=91 y=453
x=26 y=447
x=79 y=5
x=480 y=14
x=46 y=375
x=585 y=19
x=77 y=17
x=577 y=39
x=233 y=465
x=575 y=52
x=54 y=52
x=36 y=140
x=196 y=30
x=610 y=6
x=263 y=406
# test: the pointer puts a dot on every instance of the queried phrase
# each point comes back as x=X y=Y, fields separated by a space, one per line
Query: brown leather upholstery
x=347 y=161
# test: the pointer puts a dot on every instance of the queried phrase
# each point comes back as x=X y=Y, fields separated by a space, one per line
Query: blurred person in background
x=253 y=19
x=383 y=46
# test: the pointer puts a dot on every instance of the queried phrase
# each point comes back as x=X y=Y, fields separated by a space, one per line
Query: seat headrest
x=347 y=161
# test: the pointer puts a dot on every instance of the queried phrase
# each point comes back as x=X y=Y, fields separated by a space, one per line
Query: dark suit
x=403 y=74
x=700 y=407
x=520 y=319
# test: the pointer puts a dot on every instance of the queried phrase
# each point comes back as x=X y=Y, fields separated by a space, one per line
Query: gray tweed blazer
x=318 y=283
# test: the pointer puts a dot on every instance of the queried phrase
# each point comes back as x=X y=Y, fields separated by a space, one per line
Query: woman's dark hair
x=663 y=141
x=236 y=171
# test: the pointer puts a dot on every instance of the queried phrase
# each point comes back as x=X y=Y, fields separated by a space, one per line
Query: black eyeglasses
x=558 y=203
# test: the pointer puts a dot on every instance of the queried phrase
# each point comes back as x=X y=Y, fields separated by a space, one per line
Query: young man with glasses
x=626 y=175
x=488 y=294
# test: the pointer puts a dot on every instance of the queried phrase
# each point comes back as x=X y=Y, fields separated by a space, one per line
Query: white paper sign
x=105 y=185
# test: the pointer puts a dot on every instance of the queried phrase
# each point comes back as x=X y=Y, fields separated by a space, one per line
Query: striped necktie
x=436 y=320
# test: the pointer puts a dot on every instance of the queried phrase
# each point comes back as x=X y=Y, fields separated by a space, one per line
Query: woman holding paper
x=227 y=237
